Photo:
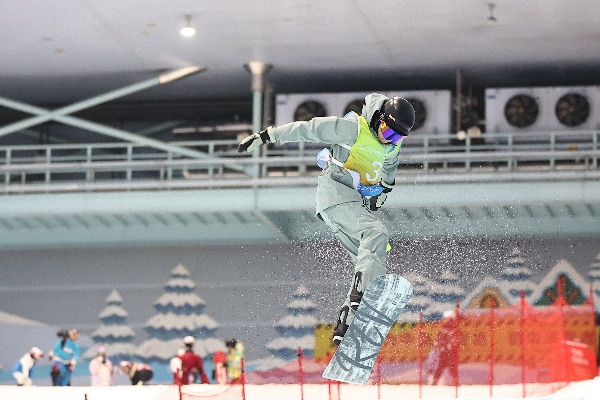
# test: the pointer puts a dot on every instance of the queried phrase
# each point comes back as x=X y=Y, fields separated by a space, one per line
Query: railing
x=432 y=158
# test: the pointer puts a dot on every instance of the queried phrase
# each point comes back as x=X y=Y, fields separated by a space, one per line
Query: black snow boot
x=355 y=295
x=341 y=327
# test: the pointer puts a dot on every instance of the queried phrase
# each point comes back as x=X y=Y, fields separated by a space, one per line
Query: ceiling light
x=187 y=30
x=491 y=17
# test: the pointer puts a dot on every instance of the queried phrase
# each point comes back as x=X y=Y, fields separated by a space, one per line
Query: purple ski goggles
x=390 y=134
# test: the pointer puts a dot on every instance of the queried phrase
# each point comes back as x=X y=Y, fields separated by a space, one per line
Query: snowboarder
x=192 y=366
x=138 y=373
x=23 y=368
x=359 y=170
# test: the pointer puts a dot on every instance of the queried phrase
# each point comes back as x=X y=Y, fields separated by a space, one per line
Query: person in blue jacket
x=23 y=368
x=65 y=354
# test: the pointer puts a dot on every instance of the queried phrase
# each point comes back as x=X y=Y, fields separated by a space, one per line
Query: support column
x=258 y=69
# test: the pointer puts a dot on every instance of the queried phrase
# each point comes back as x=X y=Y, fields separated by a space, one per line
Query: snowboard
x=380 y=307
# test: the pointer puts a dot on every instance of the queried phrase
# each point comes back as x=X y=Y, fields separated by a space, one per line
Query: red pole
x=330 y=384
x=300 y=374
x=243 y=380
x=492 y=345
x=593 y=314
x=563 y=336
x=523 y=341
x=179 y=390
x=378 y=377
x=420 y=346
x=456 y=348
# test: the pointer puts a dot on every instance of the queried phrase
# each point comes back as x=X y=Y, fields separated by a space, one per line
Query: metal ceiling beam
x=61 y=114
x=48 y=115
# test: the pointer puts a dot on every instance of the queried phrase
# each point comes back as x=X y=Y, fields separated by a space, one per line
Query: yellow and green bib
x=368 y=154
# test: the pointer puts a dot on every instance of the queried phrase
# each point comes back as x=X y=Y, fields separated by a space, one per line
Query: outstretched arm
x=331 y=130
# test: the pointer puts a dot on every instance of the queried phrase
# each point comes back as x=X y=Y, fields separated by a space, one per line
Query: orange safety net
x=515 y=344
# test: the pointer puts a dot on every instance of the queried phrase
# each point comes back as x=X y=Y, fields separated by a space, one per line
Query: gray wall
x=245 y=288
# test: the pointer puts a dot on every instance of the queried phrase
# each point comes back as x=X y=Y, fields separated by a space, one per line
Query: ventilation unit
x=432 y=108
x=576 y=107
x=432 y=112
x=542 y=109
x=303 y=107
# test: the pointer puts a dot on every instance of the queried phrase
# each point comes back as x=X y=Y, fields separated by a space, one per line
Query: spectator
x=191 y=364
x=24 y=367
x=235 y=355
x=220 y=364
x=139 y=373
x=101 y=369
x=175 y=366
x=446 y=350
x=65 y=356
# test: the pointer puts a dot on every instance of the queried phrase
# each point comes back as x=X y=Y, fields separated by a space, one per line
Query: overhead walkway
x=542 y=184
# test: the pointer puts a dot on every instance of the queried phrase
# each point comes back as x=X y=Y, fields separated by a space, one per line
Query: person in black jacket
x=139 y=373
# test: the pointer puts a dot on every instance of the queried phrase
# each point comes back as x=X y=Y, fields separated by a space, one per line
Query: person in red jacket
x=446 y=350
x=191 y=364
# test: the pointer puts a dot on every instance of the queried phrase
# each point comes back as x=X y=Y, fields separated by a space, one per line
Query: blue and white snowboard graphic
x=381 y=305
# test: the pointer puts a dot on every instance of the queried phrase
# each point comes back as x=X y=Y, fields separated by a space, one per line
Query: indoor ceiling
x=61 y=51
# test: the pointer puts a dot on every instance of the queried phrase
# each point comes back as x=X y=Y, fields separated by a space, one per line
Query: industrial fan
x=308 y=110
x=521 y=110
x=420 y=112
x=354 y=105
x=572 y=109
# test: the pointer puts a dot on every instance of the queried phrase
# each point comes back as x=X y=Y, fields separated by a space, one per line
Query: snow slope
x=585 y=390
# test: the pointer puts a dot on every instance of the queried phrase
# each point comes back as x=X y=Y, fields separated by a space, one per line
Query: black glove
x=255 y=140
x=376 y=202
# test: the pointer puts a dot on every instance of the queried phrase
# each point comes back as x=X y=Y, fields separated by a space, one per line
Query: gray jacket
x=335 y=183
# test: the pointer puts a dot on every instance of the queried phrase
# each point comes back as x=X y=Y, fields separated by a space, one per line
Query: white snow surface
x=584 y=390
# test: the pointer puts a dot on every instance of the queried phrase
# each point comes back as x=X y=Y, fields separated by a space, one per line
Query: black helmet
x=398 y=114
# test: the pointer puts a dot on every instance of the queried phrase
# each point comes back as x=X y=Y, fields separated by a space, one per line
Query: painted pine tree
x=516 y=277
x=420 y=301
x=297 y=328
x=114 y=334
x=444 y=292
x=180 y=312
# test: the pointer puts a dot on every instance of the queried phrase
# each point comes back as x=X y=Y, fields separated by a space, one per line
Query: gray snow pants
x=365 y=238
